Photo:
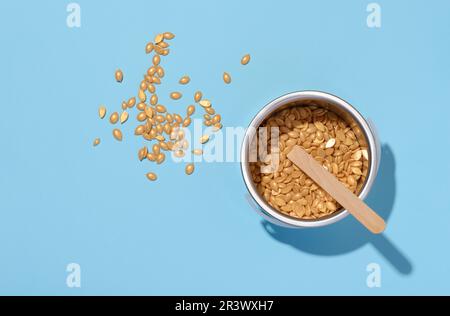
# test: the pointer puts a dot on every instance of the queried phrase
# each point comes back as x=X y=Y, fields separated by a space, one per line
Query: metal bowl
x=363 y=129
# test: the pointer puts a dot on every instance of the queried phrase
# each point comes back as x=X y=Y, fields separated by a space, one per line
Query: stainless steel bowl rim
x=297 y=96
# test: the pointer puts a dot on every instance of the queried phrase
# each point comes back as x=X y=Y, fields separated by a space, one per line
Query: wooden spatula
x=363 y=213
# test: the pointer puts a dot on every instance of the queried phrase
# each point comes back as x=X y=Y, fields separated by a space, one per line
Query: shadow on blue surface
x=348 y=235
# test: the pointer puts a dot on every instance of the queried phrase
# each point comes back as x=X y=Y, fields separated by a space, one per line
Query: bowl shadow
x=348 y=235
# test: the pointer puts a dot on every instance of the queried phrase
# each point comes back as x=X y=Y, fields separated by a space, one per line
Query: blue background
x=63 y=201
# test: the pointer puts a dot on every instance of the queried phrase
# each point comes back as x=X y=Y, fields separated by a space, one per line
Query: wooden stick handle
x=363 y=213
